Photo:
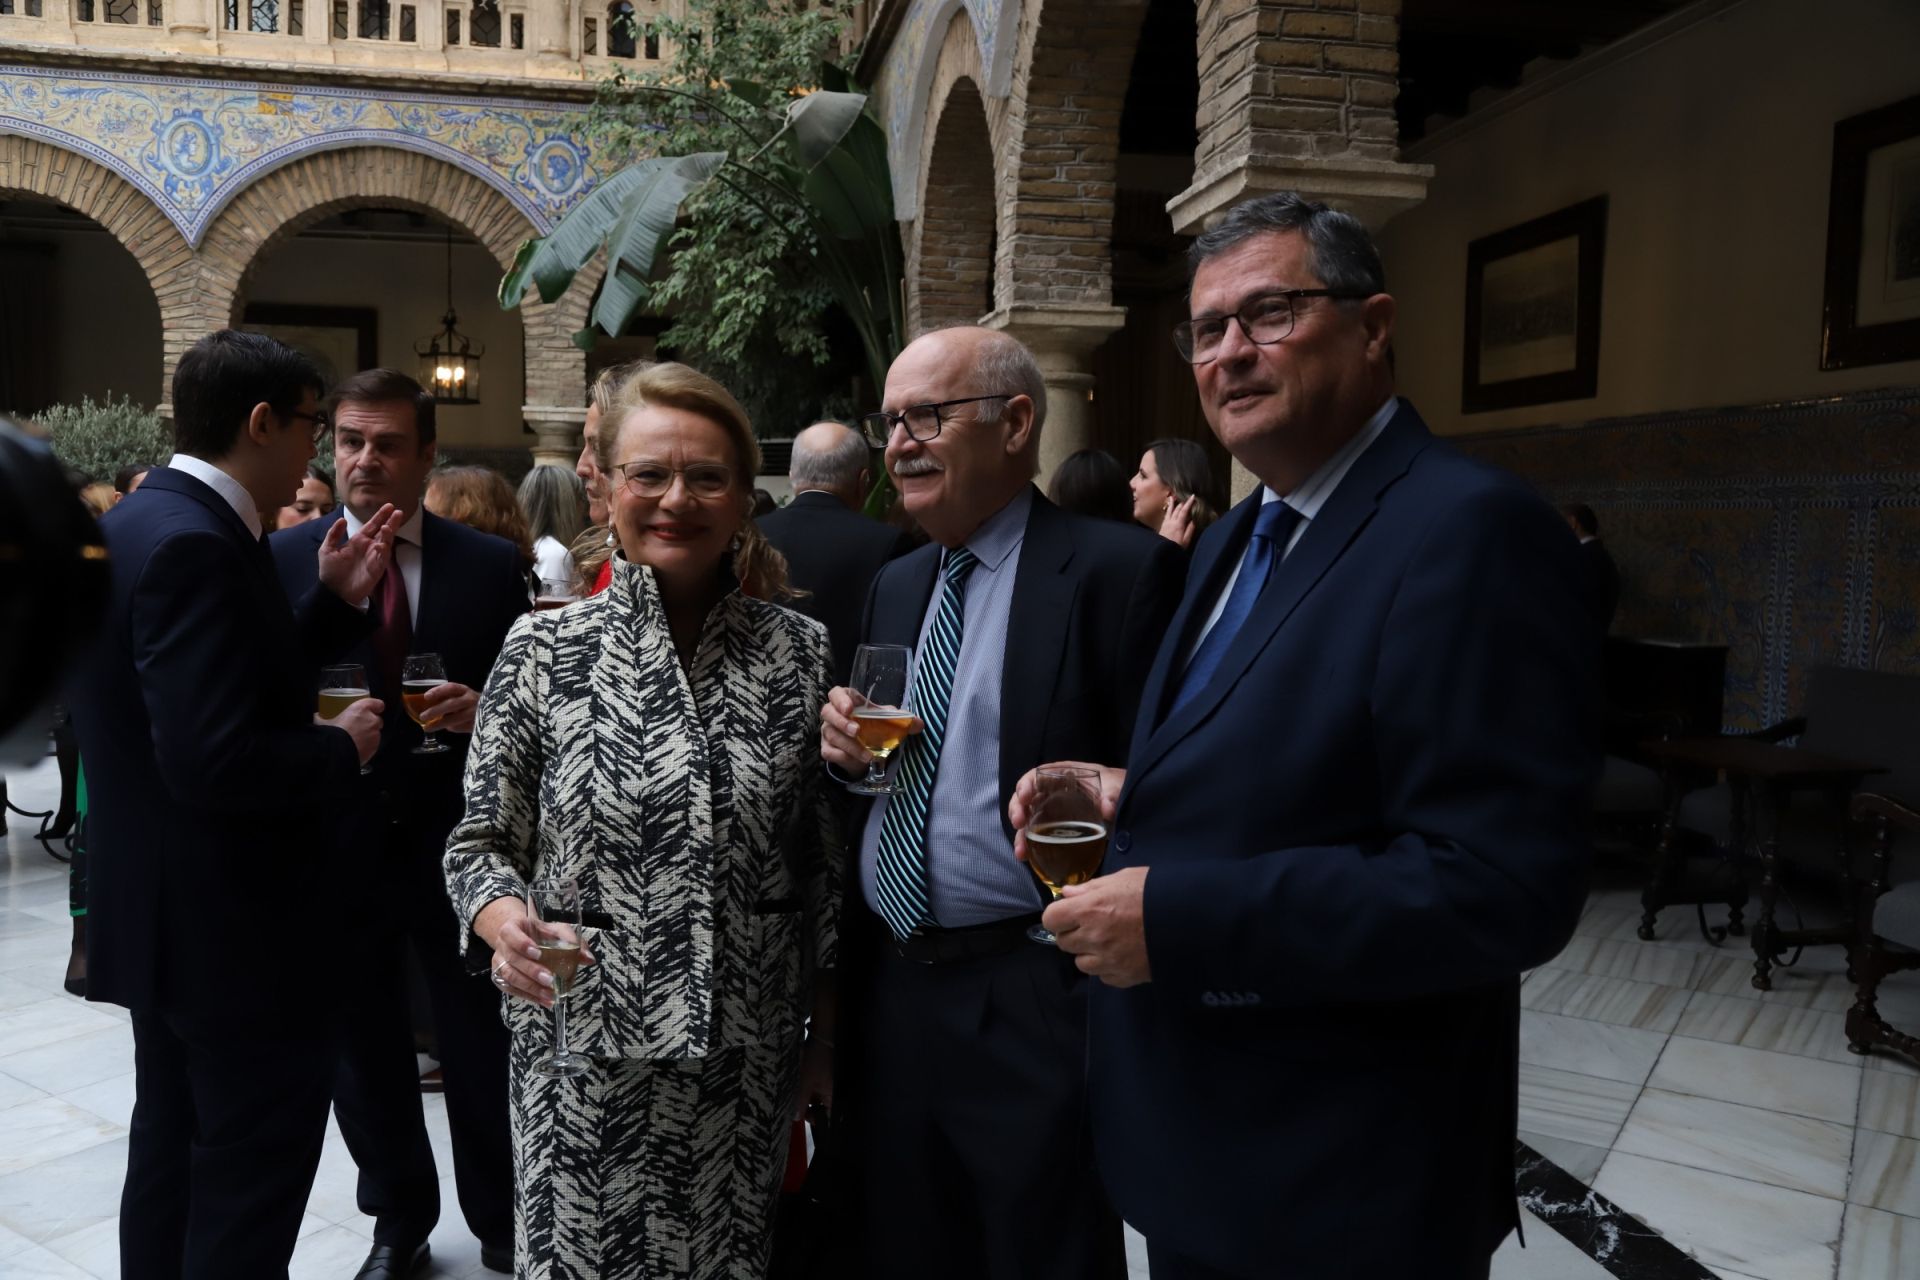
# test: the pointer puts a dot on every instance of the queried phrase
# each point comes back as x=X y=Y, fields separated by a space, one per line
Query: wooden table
x=1761 y=775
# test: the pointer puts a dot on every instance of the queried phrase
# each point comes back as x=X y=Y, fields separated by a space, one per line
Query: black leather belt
x=931 y=944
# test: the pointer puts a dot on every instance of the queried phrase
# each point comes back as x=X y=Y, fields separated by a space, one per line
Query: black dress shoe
x=497 y=1257
x=393 y=1262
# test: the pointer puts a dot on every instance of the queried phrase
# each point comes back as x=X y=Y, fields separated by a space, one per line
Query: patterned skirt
x=650 y=1170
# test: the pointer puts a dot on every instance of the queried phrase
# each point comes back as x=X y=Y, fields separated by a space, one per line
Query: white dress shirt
x=1307 y=498
x=221 y=483
x=406 y=555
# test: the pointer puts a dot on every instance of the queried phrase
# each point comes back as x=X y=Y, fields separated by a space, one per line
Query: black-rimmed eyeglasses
x=922 y=421
x=319 y=420
x=1265 y=319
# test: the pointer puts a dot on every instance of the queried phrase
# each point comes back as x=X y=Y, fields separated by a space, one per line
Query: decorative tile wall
x=1789 y=532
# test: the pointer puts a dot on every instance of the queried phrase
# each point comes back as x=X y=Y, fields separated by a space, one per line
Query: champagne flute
x=553 y=921
x=418 y=674
x=881 y=720
x=1066 y=833
x=340 y=688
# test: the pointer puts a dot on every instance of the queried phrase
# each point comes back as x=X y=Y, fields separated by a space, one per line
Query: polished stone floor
x=1732 y=1123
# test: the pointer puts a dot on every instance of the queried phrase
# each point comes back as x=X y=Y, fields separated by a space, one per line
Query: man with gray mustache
x=960 y=1093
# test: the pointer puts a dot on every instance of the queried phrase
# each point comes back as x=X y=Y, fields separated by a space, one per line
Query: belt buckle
x=902 y=946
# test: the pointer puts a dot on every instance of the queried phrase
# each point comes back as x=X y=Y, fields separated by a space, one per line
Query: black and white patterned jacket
x=687 y=804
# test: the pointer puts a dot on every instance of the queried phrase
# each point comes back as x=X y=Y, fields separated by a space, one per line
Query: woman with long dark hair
x=1174 y=491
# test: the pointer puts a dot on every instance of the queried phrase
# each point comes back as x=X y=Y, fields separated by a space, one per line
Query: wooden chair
x=1888 y=939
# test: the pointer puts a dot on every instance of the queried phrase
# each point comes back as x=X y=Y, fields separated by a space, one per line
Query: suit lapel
x=1327 y=537
x=1037 y=620
x=1212 y=558
x=898 y=612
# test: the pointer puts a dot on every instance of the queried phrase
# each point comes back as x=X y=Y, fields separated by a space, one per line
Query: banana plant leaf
x=819 y=121
x=631 y=213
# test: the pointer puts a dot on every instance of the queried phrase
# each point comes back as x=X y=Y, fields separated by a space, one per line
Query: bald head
x=832 y=457
x=965 y=460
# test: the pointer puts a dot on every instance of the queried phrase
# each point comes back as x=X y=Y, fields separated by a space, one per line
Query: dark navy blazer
x=1362 y=831
x=472 y=587
x=209 y=782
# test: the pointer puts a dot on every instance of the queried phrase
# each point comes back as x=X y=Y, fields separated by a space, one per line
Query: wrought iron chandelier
x=449 y=361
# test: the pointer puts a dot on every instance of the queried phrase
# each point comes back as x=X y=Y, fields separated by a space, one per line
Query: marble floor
x=1732 y=1123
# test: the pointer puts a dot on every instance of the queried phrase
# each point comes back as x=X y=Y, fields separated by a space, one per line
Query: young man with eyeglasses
x=1353 y=814
x=962 y=1042
x=452 y=591
x=208 y=832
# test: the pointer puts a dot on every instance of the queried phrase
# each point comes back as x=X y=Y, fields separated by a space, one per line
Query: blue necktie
x=900 y=870
x=1271 y=529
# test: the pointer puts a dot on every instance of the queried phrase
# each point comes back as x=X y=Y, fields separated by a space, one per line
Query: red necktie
x=394 y=636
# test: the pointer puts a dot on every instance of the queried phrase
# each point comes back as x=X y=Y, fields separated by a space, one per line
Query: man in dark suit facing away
x=1353 y=813
x=832 y=551
x=213 y=888
x=1603 y=575
x=452 y=591
x=961 y=1086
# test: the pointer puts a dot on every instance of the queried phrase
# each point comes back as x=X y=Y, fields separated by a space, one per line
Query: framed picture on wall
x=341 y=340
x=1872 y=311
x=1533 y=311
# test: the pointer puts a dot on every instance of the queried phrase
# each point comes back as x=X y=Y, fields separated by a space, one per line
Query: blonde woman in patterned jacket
x=657 y=742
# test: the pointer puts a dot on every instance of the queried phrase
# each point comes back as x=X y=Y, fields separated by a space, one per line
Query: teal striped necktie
x=900 y=873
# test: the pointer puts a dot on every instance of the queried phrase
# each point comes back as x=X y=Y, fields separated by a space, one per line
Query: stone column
x=556 y=430
x=1062 y=339
x=185 y=17
x=1296 y=96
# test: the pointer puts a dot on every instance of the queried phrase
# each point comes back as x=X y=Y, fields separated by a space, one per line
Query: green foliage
x=779 y=179
x=97 y=439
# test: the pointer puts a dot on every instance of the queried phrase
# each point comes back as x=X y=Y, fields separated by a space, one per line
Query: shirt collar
x=1002 y=531
x=1312 y=493
x=407 y=532
x=220 y=482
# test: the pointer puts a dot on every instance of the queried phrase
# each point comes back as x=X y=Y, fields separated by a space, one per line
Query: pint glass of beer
x=340 y=688
x=882 y=718
x=1066 y=833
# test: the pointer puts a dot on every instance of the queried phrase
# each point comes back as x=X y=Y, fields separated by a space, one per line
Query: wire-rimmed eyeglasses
x=1265 y=319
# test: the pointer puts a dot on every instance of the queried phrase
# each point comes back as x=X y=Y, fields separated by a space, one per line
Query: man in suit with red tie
x=452 y=591
x=1353 y=812
x=212 y=868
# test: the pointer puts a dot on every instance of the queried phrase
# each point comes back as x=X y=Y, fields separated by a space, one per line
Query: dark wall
x=1789 y=532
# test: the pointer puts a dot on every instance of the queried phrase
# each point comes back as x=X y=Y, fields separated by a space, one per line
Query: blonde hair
x=762 y=571
x=480 y=498
x=99 y=497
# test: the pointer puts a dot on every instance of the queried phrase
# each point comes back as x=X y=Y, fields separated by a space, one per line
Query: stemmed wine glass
x=1066 y=832
x=340 y=688
x=418 y=674
x=553 y=921
x=882 y=720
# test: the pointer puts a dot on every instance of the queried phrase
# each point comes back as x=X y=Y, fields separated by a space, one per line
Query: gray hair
x=837 y=468
x=1007 y=367
x=555 y=504
x=1340 y=250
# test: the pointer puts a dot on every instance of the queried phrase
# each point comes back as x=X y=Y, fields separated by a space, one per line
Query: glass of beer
x=340 y=688
x=553 y=921
x=882 y=719
x=1066 y=833
x=419 y=674
x=554 y=592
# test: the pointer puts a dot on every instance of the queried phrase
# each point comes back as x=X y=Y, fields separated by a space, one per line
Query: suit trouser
x=229 y=1116
x=971 y=1155
x=377 y=1093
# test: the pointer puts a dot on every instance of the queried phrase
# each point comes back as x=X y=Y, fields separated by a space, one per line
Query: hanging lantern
x=449 y=361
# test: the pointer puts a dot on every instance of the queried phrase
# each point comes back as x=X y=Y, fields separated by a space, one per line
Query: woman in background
x=553 y=501
x=1092 y=482
x=313 y=500
x=1174 y=491
x=480 y=498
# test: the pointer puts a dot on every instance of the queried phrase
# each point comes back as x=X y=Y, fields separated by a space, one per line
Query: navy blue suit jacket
x=209 y=783
x=1358 y=835
x=472 y=587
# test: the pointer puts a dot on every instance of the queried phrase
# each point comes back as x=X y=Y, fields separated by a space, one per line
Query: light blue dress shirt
x=972 y=876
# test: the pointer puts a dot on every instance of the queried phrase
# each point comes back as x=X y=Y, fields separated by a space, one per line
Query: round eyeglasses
x=1265 y=319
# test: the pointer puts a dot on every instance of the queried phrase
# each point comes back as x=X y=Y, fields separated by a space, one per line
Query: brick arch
x=40 y=170
x=950 y=254
x=1063 y=141
x=285 y=201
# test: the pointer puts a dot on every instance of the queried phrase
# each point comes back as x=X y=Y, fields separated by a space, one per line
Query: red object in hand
x=796 y=1178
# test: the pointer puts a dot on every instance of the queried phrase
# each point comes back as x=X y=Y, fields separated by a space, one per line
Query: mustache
x=920 y=466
